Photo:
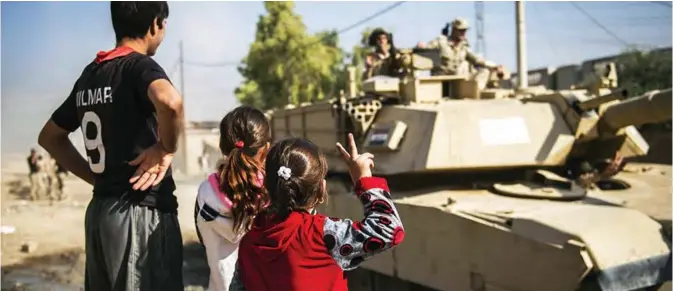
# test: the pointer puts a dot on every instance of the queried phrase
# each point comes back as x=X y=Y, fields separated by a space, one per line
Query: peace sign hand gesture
x=359 y=166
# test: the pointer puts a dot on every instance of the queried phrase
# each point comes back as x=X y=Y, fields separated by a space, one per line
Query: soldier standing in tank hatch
x=383 y=60
x=456 y=56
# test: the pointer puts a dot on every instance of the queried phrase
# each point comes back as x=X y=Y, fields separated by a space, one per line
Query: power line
x=599 y=24
x=368 y=18
x=545 y=31
x=220 y=64
x=174 y=67
x=385 y=10
x=341 y=31
x=480 y=46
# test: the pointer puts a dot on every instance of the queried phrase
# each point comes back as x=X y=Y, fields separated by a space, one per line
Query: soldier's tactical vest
x=381 y=67
x=453 y=57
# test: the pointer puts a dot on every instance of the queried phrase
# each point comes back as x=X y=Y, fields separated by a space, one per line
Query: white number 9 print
x=96 y=143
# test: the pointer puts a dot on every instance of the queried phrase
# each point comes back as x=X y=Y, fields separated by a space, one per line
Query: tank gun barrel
x=595 y=102
x=648 y=108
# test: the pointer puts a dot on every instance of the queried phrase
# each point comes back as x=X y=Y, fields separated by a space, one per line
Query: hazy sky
x=45 y=45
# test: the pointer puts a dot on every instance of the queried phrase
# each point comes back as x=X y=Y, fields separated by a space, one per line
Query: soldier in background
x=54 y=180
x=61 y=174
x=48 y=167
x=456 y=56
x=383 y=60
x=32 y=161
x=203 y=162
x=35 y=175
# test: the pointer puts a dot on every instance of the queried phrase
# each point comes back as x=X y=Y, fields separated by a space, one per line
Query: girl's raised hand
x=359 y=165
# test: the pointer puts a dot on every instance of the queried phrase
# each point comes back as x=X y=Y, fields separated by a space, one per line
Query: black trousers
x=131 y=247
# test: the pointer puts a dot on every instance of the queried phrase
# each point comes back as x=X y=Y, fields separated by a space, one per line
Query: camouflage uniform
x=382 y=65
x=456 y=57
x=54 y=180
x=62 y=174
x=38 y=179
x=36 y=185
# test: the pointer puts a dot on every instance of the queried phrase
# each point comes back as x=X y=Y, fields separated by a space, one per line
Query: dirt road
x=54 y=237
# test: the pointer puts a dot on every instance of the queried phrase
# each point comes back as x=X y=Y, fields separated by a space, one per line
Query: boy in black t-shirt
x=131 y=117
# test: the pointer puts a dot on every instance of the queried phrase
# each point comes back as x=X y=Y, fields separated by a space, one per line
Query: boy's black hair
x=132 y=19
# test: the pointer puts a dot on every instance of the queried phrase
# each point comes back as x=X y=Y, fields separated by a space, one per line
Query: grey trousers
x=131 y=247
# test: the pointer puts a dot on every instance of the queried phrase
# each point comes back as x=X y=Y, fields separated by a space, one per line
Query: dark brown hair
x=133 y=19
x=304 y=188
x=243 y=133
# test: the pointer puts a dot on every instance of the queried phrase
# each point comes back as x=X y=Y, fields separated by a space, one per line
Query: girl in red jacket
x=290 y=247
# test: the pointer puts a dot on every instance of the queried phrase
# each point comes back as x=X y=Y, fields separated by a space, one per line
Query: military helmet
x=456 y=23
x=374 y=36
x=459 y=23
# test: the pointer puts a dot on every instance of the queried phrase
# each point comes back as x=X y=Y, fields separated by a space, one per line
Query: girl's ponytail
x=244 y=136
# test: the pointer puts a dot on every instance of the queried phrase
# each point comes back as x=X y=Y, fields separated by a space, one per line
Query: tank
x=480 y=178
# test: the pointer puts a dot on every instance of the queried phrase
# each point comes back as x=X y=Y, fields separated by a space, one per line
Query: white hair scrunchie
x=284 y=172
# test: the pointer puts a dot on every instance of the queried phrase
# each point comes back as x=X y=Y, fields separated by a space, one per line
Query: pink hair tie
x=239 y=144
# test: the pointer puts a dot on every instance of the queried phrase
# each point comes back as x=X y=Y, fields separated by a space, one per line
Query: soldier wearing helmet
x=382 y=61
x=456 y=56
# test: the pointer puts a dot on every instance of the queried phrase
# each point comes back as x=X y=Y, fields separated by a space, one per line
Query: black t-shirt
x=110 y=103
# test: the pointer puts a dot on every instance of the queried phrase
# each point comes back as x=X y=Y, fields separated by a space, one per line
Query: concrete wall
x=563 y=77
x=536 y=77
x=566 y=76
x=596 y=65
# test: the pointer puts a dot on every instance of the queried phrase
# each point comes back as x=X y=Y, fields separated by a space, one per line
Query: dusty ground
x=55 y=234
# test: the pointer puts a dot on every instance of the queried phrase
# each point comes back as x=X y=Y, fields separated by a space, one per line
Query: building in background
x=590 y=67
x=199 y=137
x=566 y=77
x=536 y=77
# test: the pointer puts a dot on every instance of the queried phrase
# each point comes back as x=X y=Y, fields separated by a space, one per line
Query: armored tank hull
x=481 y=190
x=475 y=239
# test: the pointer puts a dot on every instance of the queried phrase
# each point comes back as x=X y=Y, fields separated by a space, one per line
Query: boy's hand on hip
x=152 y=164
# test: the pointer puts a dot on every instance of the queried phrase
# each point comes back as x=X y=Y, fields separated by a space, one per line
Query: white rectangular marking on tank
x=504 y=131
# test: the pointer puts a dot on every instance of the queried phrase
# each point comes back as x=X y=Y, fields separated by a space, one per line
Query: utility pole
x=183 y=136
x=522 y=64
x=479 y=24
x=182 y=72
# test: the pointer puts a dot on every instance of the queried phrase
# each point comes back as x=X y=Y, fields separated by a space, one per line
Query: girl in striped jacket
x=229 y=199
